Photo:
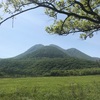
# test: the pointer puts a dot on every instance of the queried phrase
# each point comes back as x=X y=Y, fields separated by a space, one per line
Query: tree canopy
x=81 y=16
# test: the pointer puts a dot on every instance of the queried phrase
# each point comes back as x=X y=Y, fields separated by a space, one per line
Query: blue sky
x=29 y=30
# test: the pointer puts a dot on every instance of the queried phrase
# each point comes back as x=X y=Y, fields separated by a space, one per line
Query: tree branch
x=18 y=14
x=84 y=17
x=88 y=12
x=63 y=24
x=88 y=3
x=82 y=7
x=52 y=7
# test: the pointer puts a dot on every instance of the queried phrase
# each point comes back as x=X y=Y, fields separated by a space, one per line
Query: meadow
x=51 y=88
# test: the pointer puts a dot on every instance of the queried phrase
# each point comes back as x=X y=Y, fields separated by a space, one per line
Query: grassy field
x=50 y=88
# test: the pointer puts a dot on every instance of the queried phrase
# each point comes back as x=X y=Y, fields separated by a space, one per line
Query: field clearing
x=50 y=88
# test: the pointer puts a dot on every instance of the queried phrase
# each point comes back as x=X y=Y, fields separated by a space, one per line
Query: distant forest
x=49 y=61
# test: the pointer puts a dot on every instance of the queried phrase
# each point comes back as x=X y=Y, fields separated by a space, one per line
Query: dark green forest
x=49 y=61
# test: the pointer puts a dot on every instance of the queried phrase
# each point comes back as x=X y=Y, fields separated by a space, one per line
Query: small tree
x=80 y=15
x=98 y=63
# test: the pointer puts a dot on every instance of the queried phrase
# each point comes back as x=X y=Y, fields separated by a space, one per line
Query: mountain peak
x=30 y=50
x=49 y=52
x=73 y=52
x=52 y=50
x=34 y=48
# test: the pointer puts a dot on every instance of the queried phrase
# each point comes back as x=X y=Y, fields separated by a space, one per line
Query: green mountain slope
x=78 y=54
x=30 y=50
x=45 y=66
x=53 y=51
x=48 y=52
x=50 y=60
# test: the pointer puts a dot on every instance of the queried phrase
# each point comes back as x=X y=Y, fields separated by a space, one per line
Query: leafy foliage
x=79 y=15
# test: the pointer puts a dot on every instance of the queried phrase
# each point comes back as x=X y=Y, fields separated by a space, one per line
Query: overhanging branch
x=18 y=14
x=63 y=24
x=85 y=10
x=52 y=7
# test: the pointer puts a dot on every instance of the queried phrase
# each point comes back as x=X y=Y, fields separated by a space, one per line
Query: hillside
x=54 y=51
x=30 y=50
x=40 y=51
x=49 y=60
x=47 y=51
x=47 y=67
x=78 y=54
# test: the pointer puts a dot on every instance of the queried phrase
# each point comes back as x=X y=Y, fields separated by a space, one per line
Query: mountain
x=50 y=60
x=96 y=58
x=30 y=50
x=78 y=54
x=43 y=51
x=34 y=48
x=54 y=51
x=57 y=47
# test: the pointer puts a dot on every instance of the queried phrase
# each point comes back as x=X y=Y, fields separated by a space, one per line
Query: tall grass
x=52 y=88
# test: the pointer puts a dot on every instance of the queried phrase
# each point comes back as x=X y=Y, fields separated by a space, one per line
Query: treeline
x=76 y=72
x=47 y=67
